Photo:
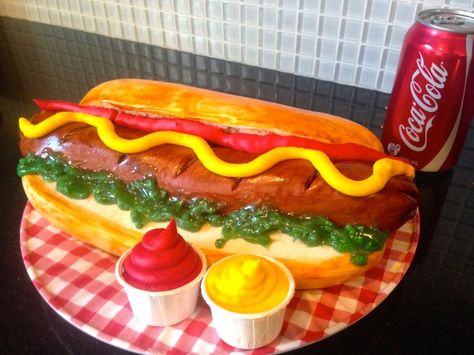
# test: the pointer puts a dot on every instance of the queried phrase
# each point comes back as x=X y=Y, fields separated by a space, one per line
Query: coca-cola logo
x=425 y=87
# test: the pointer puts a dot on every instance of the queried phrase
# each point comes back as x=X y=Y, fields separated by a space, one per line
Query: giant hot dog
x=238 y=174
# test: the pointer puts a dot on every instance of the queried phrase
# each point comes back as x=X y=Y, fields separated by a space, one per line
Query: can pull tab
x=447 y=20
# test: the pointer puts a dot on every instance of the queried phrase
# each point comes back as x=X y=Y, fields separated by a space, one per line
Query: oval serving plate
x=78 y=282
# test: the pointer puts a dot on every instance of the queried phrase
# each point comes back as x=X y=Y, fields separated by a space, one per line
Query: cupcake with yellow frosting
x=248 y=295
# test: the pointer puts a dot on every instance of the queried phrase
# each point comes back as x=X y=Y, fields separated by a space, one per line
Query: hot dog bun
x=110 y=229
x=292 y=186
x=170 y=99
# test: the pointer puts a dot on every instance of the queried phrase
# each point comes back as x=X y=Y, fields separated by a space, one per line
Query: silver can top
x=456 y=21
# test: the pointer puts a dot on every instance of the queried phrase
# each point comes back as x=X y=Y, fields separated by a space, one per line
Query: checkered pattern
x=78 y=282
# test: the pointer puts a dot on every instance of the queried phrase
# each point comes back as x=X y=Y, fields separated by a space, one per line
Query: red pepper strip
x=56 y=105
x=251 y=143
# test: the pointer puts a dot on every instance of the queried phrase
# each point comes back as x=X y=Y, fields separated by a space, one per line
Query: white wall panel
x=354 y=42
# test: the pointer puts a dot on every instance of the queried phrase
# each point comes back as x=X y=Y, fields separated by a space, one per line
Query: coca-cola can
x=432 y=101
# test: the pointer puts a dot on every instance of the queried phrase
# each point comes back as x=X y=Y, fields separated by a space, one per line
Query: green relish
x=147 y=202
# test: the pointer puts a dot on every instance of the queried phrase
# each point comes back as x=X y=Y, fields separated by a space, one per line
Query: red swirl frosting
x=162 y=261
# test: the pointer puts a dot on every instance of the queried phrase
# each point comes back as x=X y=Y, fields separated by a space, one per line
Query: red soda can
x=432 y=101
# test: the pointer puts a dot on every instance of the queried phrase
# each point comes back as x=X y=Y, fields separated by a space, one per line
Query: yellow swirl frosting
x=247 y=284
x=383 y=169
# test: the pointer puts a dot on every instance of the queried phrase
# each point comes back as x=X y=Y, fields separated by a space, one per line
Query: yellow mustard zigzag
x=383 y=169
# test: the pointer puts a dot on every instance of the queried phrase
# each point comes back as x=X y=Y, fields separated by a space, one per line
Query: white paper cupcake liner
x=249 y=331
x=162 y=308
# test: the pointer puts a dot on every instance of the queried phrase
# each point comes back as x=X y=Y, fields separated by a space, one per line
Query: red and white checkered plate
x=78 y=282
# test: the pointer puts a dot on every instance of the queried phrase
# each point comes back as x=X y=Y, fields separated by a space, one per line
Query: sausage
x=291 y=186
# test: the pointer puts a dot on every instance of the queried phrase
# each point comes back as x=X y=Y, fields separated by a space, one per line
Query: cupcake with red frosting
x=161 y=276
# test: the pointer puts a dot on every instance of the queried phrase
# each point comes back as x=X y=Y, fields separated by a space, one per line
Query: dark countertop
x=430 y=311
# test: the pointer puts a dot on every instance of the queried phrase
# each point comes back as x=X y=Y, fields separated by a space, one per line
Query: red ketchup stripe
x=56 y=106
x=246 y=142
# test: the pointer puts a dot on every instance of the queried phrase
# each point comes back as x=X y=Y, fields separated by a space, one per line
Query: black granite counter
x=430 y=311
